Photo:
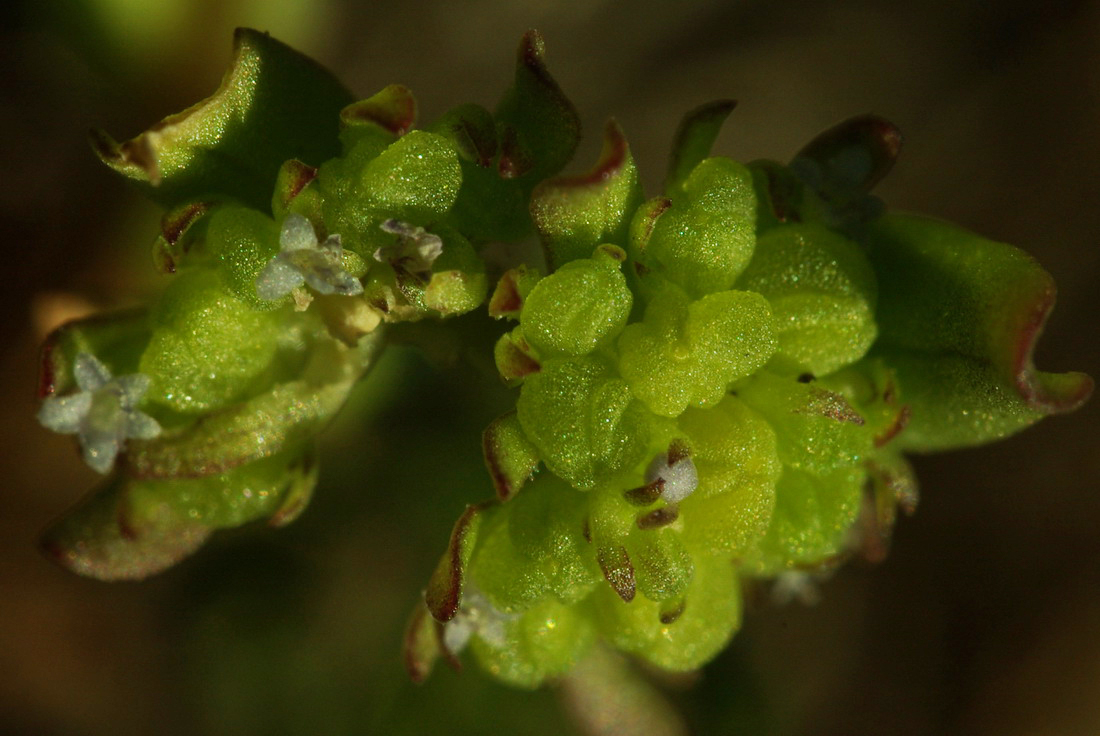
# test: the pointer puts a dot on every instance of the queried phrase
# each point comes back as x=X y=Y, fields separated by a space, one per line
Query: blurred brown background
x=985 y=619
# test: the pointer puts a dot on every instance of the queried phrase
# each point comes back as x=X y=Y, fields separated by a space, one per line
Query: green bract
x=713 y=386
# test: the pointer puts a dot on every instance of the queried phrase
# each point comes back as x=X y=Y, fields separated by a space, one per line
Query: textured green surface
x=714 y=385
x=959 y=316
x=272 y=105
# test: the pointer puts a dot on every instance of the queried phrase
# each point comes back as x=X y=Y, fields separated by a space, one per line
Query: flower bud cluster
x=714 y=386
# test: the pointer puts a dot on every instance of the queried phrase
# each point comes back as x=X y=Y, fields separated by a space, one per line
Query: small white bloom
x=798 y=585
x=679 y=479
x=478 y=616
x=302 y=260
x=103 y=413
x=415 y=250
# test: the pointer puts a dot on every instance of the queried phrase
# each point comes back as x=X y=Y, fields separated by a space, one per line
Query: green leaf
x=539 y=126
x=578 y=308
x=959 y=317
x=583 y=419
x=694 y=138
x=822 y=293
x=705 y=238
x=682 y=637
x=273 y=104
x=574 y=214
x=129 y=529
x=811 y=521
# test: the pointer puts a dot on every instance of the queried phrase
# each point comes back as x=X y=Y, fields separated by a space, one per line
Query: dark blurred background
x=985 y=618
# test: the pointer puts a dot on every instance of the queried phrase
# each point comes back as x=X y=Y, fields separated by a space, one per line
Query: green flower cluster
x=716 y=384
x=698 y=389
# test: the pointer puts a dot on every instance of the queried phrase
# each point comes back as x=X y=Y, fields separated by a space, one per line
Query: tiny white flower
x=103 y=413
x=478 y=616
x=677 y=474
x=302 y=260
x=797 y=585
x=415 y=250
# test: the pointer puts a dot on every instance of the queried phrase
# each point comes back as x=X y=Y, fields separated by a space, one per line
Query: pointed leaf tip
x=422 y=646
x=540 y=127
x=509 y=456
x=444 y=593
x=211 y=149
x=576 y=213
x=694 y=139
x=850 y=158
x=393 y=109
x=959 y=317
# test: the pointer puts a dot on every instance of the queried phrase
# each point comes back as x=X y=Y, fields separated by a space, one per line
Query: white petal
x=456 y=634
x=384 y=254
x=297 y=234
x=141 y=426
x=278 y=279
x=63 y=414
x=91 y=375
x=133 y=387
x=332 y=245
x=680 y=479
x=396 y=227
x=334 y=282
x=100 y=451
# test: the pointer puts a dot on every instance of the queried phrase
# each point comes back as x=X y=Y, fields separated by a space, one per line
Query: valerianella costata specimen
x=714 y=384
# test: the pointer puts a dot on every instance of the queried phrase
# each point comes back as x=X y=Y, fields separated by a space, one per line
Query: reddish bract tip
x=393 y=109
x=618 y=570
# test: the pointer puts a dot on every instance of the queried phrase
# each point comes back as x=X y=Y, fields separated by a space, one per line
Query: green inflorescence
x=712 y=386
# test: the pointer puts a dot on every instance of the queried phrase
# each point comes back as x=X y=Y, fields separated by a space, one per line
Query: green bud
x=681 y=637
x=208 y=348
x=578 y=308
x=822 y=293
x=734 y=451
x=818 y=431
x=688 y=353
x=543 y=642
x=705 y=239
x=583 y=419
x=811 y=522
